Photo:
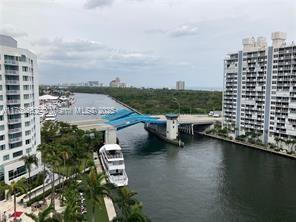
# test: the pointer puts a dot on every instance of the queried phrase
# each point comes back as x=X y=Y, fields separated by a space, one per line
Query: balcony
x=12 y=92
x=12 y=72
x=12 y=82
x=15 y=130
x=10 y=62
x=13 y=121
x=15 y=140
x=13 y=101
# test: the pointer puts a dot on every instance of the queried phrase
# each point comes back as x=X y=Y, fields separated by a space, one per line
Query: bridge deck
x=98 y=124
x=102 y=125
x=194 y=119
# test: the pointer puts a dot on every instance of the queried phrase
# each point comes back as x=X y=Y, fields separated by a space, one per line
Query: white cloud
x=10 y=30
x=88 y=54
x=179 y=31
x=184 y=30
x=91 y=4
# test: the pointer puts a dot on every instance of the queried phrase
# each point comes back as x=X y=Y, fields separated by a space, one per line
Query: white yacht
x=113 y=164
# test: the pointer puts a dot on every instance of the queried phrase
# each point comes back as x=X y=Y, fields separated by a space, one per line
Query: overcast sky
x=150 y=43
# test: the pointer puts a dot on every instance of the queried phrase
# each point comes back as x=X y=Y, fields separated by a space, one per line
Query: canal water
x=207 y=180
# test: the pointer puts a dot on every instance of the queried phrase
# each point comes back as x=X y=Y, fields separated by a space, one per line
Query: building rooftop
x=6 y=40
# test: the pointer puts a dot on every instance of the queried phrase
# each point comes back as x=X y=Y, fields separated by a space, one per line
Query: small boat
x=113 y=163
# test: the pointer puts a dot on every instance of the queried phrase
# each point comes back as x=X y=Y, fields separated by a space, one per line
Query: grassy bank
x=161 y=101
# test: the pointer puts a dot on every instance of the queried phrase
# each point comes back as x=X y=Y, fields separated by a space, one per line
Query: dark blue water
x=207 y=180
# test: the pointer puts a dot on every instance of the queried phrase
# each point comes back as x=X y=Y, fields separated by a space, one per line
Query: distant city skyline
x=98 y=40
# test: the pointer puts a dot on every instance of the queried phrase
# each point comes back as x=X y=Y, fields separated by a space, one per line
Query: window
x=18 y=153
x=2 y=147
x=28 y=132
x=16 y=173
x=1 y=97
x=2 y=137
x=25 y=69
x=1 y=127
x=28 y=150
x=28 y=141
x=6 y=157
x=27 y=123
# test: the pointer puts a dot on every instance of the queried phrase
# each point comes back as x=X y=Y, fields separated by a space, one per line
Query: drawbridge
x=124 y=118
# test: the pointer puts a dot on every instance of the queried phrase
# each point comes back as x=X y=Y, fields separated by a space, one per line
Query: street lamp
x=176 y=101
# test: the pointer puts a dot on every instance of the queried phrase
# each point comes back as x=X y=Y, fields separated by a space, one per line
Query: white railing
x=12 y=82
x=11 y=72
x=16 y=139
x=18 y=120
x=114 y=156
x=11 y=92
x=15 y=130
x=13 y=101
x=10 y=62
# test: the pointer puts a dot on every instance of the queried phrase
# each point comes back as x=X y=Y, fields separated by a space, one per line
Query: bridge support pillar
x=110 y=136
x=172 y=126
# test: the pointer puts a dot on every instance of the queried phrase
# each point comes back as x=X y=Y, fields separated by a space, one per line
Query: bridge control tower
x=172 y=126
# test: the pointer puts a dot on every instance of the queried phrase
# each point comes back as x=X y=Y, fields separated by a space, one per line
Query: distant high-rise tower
x=260 y=89
x=180 y=85
x=19 y=127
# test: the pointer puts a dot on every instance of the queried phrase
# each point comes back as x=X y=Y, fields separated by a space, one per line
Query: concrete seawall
x=125 y=105
x=252 y=146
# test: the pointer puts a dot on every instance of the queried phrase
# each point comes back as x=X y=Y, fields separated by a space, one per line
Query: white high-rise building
x=19 y=127
x=260 y=89
x=180 y=85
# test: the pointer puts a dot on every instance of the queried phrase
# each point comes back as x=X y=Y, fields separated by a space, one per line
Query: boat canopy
x=109 y=147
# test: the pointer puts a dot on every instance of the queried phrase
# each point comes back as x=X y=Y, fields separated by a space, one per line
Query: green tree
x=135 y=215
x=29 y=160
x=95 y=189
x=125 y=200
x=45 y=150
x=72 y=199
x=13 y=189
x=54 y=162
x=43 y=216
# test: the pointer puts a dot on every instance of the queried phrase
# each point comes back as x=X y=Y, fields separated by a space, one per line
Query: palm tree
x=65 y=153
x=43 y=216
x=72 y=199
x=71 y=213
x=95 y=189
x=3 y=188
x=135 y=215
x=29 y=160
x=54 y=162
x=13 y=188
x=125 y=200
x=45 y=150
